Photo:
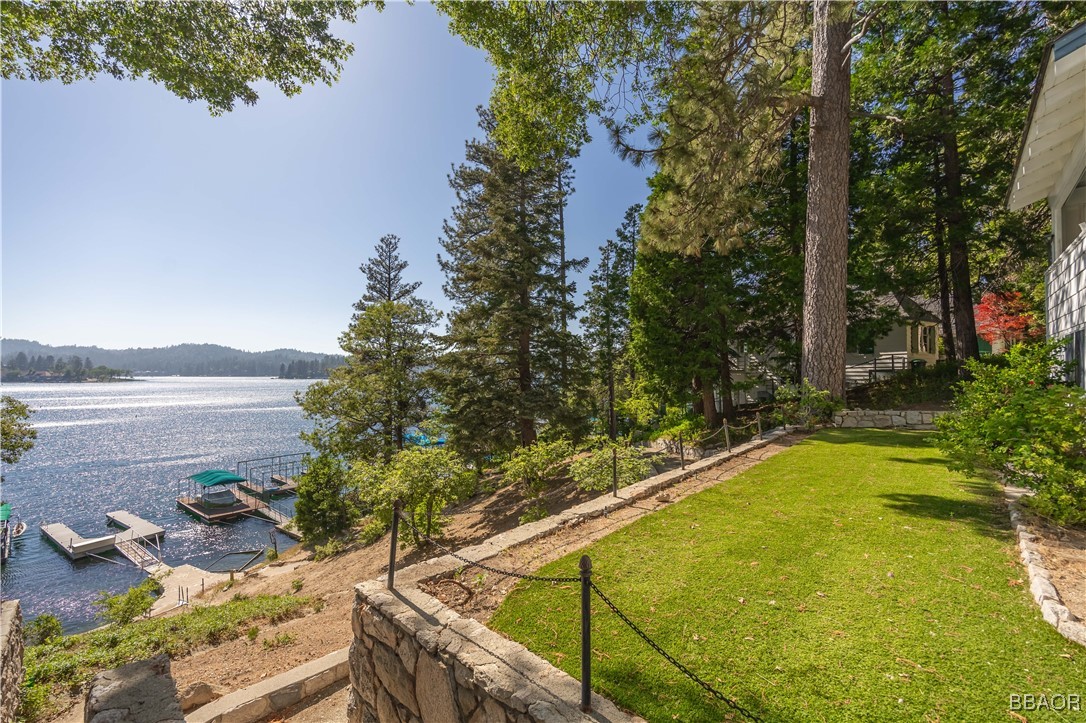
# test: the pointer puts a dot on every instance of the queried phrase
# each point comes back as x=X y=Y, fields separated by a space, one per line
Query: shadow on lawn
x=984 y=513
x=700 y=705
x=933 y=461
x=871 y=437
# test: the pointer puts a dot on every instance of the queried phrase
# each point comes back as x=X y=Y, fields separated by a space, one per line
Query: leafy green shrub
x=593 y=472
x=329 y=549
x=252 y=633
x=534 y=513
x=122 y=609
x=1022 y=422
x=536 y=465
x=424 y=479
x=678 y=424
x=271 y=555
x=325 y=505
x=42 y=629
x=296 y=584
x=372 y=531
x=803 y=404
x=915 y=386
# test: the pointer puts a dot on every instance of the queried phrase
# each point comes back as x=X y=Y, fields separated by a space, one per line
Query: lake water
x=125 y=446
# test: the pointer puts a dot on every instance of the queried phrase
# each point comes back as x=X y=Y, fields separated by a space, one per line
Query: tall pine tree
x=505 y=370
x=607 y=312
x=366 y=406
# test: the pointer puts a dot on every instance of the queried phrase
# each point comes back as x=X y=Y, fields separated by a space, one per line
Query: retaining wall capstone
x=11 y=675
x=415 y=660
x=886 y=418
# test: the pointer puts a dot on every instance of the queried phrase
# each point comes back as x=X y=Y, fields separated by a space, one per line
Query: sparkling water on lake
x=124 y=446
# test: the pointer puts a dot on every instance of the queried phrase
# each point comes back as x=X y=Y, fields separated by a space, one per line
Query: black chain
x=488 y=568
x=686 y=671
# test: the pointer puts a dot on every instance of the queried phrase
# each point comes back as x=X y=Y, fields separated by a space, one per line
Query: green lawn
x=852 y=577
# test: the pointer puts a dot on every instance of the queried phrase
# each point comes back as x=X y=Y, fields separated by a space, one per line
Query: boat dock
x=131 y=542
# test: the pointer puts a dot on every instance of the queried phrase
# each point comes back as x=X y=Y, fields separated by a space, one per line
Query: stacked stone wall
x=886 y=418
x=11 y=675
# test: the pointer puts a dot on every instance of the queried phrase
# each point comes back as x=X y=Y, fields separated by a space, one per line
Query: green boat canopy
x=213 y=477
x=5 y=512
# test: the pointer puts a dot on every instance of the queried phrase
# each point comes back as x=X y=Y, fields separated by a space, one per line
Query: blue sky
x=133 y=218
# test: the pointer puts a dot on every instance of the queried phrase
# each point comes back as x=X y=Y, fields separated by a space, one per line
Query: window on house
x=927 y=339
x=914 y=338
x=1076 y=358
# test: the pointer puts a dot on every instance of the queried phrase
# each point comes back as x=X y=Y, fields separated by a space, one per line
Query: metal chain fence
x=669 y=658
x=482 y=566
x=737 y=707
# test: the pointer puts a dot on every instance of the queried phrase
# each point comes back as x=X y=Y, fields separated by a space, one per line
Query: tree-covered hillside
x=183 y=359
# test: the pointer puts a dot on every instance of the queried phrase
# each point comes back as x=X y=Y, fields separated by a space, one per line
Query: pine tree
x=607 y=311
x=502 y=374
x=365 y=407
x=684 y=310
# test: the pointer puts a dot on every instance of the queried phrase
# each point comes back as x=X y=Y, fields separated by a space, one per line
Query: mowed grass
x=852 y=577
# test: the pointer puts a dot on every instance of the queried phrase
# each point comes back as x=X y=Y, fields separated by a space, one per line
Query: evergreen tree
x=607 y=311
x=684 y=310
x=21 y=362
x=366 y=406
x=502 y=373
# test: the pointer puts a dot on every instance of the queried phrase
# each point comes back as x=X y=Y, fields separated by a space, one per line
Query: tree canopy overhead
x=209 y=51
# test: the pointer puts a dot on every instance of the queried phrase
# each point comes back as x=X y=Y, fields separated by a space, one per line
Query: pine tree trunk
x=965 y=328
x=944 y=281
x=825 y=316
x=795 y=227
x=728 y=407
x=612 y=423
x=524 y=382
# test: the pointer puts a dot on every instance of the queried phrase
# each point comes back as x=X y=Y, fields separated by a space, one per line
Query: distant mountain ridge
x=180 y=359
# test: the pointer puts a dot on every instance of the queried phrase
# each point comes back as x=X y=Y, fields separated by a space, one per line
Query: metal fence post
x=392 y=545
x=727 y=437
x=614 y=471
x=682 y=455
x=586 y=634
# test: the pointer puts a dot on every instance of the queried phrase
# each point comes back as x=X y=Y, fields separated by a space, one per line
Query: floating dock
x=278 y=485
x=208 y=513
x=137 y=533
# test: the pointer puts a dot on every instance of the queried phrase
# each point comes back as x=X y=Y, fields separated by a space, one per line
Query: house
x=913 y=342
x=1052 y=166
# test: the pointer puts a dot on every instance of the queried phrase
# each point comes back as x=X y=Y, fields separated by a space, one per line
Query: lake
x=125 y=446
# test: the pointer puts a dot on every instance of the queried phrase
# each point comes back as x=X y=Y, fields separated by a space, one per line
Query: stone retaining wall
x=415 y=660
x=11 y=675
x=884 y=418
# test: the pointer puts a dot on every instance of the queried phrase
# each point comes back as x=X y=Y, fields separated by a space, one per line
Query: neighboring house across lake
x=1052 y=166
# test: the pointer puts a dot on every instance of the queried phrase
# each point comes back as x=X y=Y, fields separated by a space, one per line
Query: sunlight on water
x=125 y=446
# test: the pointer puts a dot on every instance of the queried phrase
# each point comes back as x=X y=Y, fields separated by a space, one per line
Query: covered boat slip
x=213 y=496
x=218 y=496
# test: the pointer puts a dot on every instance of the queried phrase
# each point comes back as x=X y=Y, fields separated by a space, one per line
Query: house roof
x=1055 y=132
x=912 y=309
